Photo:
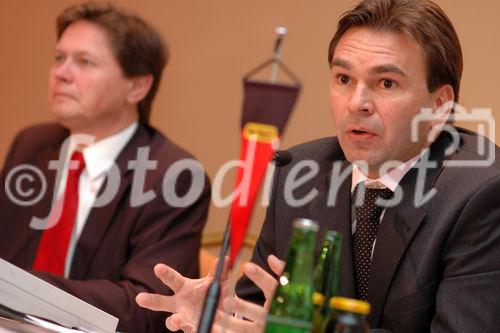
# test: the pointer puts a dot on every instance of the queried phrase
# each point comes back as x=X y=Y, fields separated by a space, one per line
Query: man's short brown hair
x=422 y=20
x=138 y=47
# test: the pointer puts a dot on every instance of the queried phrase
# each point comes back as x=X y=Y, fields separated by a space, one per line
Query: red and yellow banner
x=266 y=109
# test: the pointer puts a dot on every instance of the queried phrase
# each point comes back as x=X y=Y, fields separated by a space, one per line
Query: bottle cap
x=332 y=235
x=350 y=305
x=306 y=224
x=318 y=298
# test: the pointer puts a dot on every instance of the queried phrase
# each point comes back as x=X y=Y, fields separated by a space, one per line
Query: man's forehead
x=377 y=51
x=85 y=38
x=383 y=42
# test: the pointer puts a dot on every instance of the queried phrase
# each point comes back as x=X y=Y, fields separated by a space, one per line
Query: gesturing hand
x=255 y=314
x=186 y=302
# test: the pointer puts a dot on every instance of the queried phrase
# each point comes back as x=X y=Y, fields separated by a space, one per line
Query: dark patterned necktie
x=367 y=223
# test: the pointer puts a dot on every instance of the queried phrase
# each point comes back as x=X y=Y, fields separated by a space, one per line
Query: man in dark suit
x=428 y=260
x=435 y=265
x=98 y=232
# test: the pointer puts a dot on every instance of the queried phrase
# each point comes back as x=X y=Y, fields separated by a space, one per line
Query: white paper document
x=26 y=293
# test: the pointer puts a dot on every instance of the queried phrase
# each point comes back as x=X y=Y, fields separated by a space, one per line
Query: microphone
x=280 y=159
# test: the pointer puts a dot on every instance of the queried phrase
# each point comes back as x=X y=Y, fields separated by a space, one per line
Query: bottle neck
x=350 y=322
x=300 y=260
x=327 y=272
x=301 y=268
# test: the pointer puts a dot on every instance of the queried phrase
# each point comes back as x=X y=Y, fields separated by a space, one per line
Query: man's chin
x=363 y=158
x=69 y=120
x=61 y=112
x=367 y=164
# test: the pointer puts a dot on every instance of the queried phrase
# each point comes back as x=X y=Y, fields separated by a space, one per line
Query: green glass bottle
x=347 y=316
x=326 y=278
x=291 y=309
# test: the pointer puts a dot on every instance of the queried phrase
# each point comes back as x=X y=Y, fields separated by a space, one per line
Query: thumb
x=277 y=266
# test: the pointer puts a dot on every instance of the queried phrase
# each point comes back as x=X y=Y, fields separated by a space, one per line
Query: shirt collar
x=389 y=180
x=100 y=156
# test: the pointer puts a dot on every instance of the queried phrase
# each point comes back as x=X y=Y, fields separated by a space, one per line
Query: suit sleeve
x=468 y=295
x=9 y=158
x=162 y=234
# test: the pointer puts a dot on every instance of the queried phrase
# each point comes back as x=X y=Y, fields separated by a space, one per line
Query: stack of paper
x=26 y=293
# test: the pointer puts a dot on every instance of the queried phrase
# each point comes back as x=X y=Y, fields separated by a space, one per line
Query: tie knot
x=367 y=196
x=77 y=162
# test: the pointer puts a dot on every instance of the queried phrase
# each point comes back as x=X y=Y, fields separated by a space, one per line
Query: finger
x=178 y=321
x=216 y=328
x=213 y=269
x=248 y=310
x=219 y=329
x=265 y=281
x=228 y=323
x=156 y=302
x=245 y=327
x=277 y=266
x=170 y=277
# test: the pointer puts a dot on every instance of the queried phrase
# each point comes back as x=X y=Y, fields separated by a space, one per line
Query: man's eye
x=388 y=84
x=86 y=62
x=58 y=58
x=343 y=79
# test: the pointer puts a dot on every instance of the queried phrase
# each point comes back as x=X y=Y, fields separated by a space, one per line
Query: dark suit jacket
x=120 y=244
x=435 y=267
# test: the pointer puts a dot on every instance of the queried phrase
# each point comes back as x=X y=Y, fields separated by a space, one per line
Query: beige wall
x=213 y=43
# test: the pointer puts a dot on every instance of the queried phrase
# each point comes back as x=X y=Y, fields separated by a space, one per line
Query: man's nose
x=63 y=70
x=361 y=100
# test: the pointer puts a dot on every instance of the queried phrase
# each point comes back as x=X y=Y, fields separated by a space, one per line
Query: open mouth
x=360 y=134
x=62 y=95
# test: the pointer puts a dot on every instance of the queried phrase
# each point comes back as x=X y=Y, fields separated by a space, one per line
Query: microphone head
x=282 y=158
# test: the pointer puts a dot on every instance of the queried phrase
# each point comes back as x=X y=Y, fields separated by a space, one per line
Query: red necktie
x=53 y=247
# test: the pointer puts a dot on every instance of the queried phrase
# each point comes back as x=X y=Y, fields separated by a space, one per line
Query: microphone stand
x=213 y=292
x=280 y=158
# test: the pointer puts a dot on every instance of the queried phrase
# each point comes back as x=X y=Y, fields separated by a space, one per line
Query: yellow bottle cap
x=318 y=298
x=350 y=305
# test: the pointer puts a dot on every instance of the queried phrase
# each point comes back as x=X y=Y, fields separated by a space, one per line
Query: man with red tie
x=102 y=220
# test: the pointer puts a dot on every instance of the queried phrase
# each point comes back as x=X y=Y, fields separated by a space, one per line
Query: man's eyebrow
x=77 y=52
x=380 y=69
x=341 y=63
x=388 y=68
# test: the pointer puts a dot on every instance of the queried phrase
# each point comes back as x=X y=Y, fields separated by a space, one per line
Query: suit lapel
x=336 y=216
x=395 y=233
x=42 y=209
x=39 y=213
x=100 y=218
x=53 y=153
x=398 y=228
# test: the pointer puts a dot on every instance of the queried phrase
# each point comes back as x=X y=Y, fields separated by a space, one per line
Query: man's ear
x=139 y=87
x=442 y=104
